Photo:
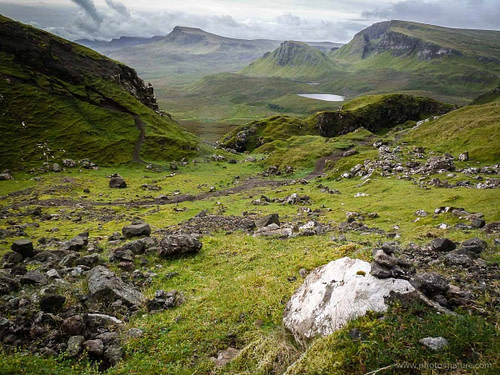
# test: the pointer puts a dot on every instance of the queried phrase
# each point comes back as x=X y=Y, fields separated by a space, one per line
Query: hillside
x=189 y=53
x=373 y=113
x=219 y=252
x=61 y=100
x=400 y=55
x=114 y=44
x=292 y=60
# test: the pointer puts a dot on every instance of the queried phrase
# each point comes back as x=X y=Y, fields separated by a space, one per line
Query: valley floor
x=236 y=288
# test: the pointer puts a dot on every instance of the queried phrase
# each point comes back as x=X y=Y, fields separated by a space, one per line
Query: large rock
x=336 y=293
x=267 y=220
x=178 y=244
x=105 y=286
x=443 y=244
x=23 y=247
x=430 y=283
x=133 y=230
x=117 y=182
x=77 y=243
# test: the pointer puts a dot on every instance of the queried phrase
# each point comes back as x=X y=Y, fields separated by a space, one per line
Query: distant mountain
x=114 y=44
x=188 y=54
x=59 y=99
x=325 y=47
x=292 y=60
x=454 y=64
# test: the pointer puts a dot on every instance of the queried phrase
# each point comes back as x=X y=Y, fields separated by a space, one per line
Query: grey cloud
x=89 y=7
x=289 y=19
x=118 y=7
x=483 y=14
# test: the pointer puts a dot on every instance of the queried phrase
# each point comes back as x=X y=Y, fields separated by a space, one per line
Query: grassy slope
x=473 y=128
x=70 y=116
x=237 y=286
x=458 y=77
x=304 y=62
x=372 y=112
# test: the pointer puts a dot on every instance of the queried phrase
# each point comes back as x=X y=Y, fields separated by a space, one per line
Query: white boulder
x=336 y=293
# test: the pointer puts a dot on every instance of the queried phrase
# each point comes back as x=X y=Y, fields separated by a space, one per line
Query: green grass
x=471 y=128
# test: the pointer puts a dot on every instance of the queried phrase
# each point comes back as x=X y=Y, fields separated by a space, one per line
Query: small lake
x=326 y=97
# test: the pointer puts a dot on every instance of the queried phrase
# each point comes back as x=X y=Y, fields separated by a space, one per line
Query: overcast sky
x=306 y=20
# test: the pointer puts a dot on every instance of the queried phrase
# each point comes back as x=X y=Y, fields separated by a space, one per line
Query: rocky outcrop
x=336 y=293
x=105 y=286
x=36 y=48
x=392 y=110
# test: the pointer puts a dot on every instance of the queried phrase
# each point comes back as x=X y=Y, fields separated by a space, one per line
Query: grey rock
x=475 y=245
x=117 y=182
x=23 y=247
x=11 y=258
x=94 y=347
x=122 y=255
x=5 y=176
x=458 y=259
x=69 y=163
x=477 y=223
x=97 y=320
x=434 y=343
x=34 y=278
x=178 y=244
x=132 y=230
x=464 y=156
x=73 y=326
x=443 y=244
x=77 y=243
x=389 y=248
x=56 y=168
x=104 y=286
x=380 y=272
x=88 y=260
x=7 y=283
x=430 y=283
x=75 y=345
x=113 y=354
x=384 y=259
x=267 y=220
x=53 y=274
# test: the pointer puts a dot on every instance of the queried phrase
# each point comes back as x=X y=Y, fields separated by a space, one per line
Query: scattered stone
x=336 y=293
x=75 y=345
x=178 y=244
x=73 y=325
x=113 y=354
x=53 y=274
x=69 y=163
x=52 y=303
x=421 y=213
x=267 y=220
x=88 y=260
x=56 y=168
x=133 y=230
x=434 y=343
x=101 y=320
x=34 y=278
x=5 y=176
x=458 y=259
x=77 y=243
x=23 y=247
x=225 y=356
x=104 y=286
x=117 y=182
x=464 y=156
x=165 y=300
x=430 y=283
x=474 y=245
x=443 y=244
x=478 y=223
x=11 y=258
x=94 y=347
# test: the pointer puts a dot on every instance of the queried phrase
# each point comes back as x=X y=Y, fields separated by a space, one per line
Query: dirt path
x=319 y=167
x=249 y=184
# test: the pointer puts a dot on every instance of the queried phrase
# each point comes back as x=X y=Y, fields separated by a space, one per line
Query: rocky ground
x=90 y=258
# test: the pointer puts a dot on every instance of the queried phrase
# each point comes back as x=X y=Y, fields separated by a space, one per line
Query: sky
x=303 y=20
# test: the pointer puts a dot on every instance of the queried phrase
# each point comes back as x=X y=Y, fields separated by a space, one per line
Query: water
x=326 y=97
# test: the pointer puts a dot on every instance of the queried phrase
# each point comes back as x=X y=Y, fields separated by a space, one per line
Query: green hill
x=400 y=55
x=292 y=60
x=61 y=100
x=373 y=113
